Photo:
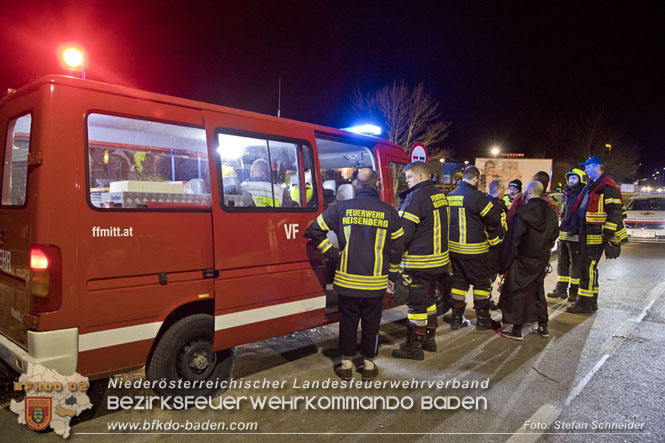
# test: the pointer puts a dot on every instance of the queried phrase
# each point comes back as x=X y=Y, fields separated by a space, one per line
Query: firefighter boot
x=413 y=347
x=560 y=291
x=572 y=293
x=458 y=317
x=483 y=318
x=583 y=305
x=429 y=344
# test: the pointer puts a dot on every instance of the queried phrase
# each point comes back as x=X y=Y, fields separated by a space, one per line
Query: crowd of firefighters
x=460 y=240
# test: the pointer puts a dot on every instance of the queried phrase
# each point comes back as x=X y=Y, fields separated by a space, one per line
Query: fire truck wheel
x=185 y=353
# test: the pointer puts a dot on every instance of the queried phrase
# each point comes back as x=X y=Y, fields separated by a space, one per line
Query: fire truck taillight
x=38 y=260
x=45 y=284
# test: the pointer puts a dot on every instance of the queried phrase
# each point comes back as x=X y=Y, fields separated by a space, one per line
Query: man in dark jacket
x=425 y=215
x=568 y=260
x=475 y=227
x=525 y=254
x=369 y=234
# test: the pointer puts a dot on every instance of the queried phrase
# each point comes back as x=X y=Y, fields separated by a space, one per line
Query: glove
x=332 y=254
x=612 y=250
x=401 y=292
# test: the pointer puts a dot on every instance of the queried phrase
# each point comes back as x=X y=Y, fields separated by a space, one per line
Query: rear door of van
x=16 y=117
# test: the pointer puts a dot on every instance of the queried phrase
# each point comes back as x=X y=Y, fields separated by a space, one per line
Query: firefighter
x=568 y=262
x=425 y=215
x=370 y=241
x=599 y=214
x=475 y=227
x=495 y=195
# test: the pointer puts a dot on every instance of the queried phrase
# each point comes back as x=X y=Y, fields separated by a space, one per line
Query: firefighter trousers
x=568 y=264
x=421 y=303
x=351 y=311
x=590 y=256
x=471 y=270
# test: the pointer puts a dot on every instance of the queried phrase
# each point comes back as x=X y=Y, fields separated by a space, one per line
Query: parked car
x=646 y=217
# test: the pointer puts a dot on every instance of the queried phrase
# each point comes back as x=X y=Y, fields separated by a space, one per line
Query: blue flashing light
x=365 y=129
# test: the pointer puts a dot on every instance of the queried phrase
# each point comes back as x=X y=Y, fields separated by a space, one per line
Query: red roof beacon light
x=73 y=58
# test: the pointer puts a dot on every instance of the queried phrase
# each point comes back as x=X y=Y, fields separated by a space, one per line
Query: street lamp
x=609 y=147
x=495 y=150
x=466 y=162
x=442 y=160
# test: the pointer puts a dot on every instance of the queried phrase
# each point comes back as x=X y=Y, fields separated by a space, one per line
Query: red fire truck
x=142 y=229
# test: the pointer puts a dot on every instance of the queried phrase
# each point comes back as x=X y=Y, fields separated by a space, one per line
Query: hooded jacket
x=532 y=234
x=525 y=253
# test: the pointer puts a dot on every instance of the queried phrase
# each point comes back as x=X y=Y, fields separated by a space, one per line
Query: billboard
x=507 y=169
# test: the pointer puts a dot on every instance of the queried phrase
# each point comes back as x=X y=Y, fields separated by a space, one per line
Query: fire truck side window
x=339 y=162
x=264 y=173
x=15 y=169
x=141 y=164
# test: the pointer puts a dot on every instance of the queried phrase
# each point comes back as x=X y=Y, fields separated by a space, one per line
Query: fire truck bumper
x=56 y=350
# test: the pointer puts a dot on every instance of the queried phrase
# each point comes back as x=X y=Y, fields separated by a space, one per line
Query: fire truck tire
x=184 y=353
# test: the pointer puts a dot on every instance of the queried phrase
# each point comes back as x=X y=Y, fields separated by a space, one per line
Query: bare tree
x=593 y=133
x=410 y=115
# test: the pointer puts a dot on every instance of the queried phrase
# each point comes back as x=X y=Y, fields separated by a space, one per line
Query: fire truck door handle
x=162 y=278
x=35 y=159
x=210 y=273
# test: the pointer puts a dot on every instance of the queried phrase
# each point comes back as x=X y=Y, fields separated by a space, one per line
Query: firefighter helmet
x=581 y=174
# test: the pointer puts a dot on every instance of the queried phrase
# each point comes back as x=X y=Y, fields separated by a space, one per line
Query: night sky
x=503 y=71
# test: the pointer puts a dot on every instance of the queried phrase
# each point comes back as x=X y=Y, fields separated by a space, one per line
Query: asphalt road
x=598 y=371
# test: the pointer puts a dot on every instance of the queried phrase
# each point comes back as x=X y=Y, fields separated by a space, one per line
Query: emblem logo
x=38 y=412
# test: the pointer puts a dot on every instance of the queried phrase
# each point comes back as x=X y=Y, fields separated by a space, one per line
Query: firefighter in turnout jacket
x=475 y=227
x=370 y=241
x=568 y=262
x=599 y=214
x=495 y=195
x=424 y=212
